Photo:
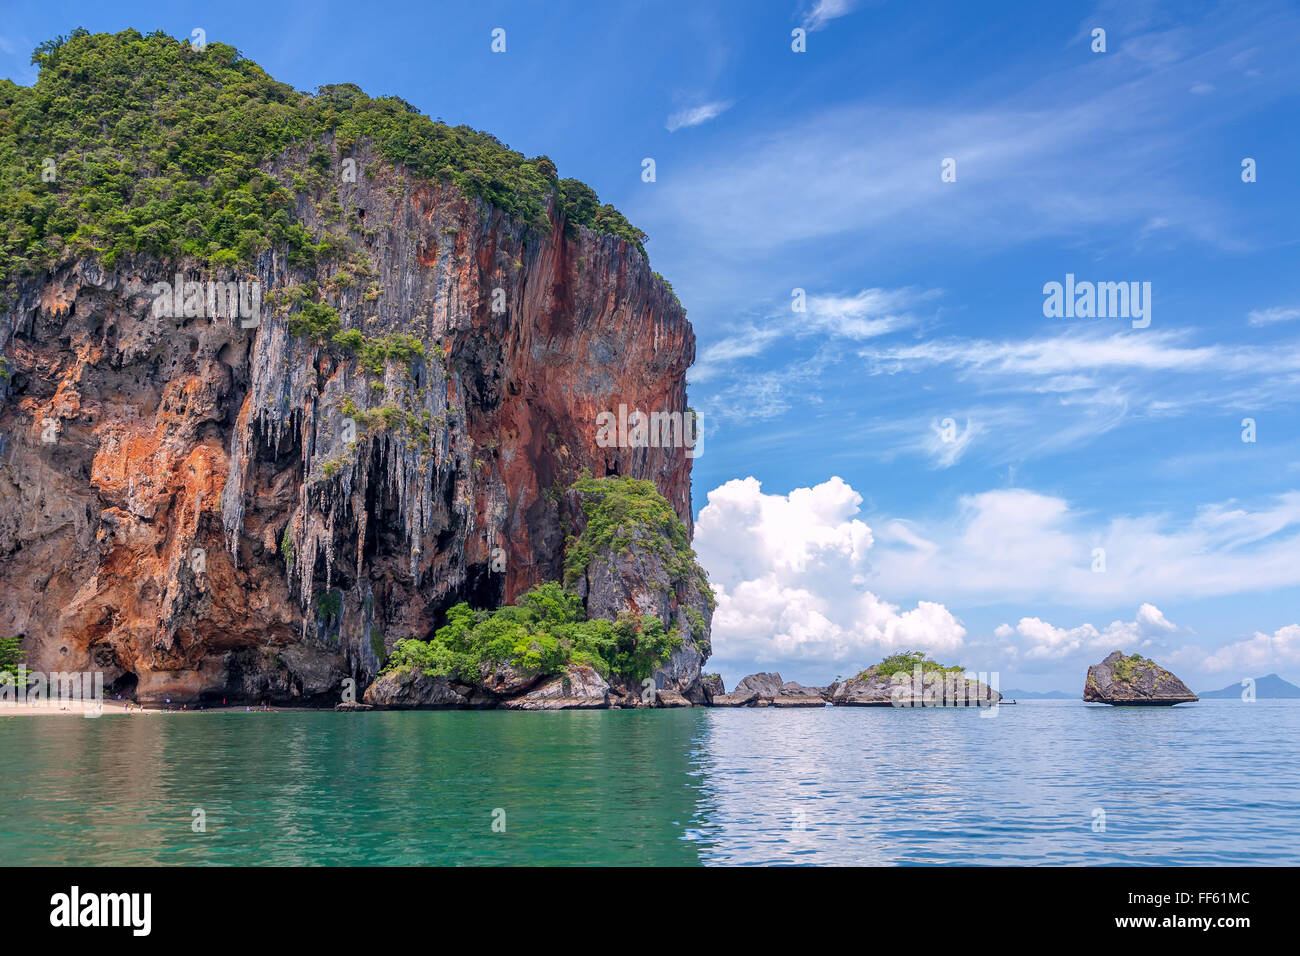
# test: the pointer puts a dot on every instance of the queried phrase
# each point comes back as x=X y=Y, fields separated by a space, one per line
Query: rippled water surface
x=1210 y=783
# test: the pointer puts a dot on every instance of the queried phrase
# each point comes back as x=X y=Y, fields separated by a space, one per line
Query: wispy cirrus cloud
x=824 y=11
x=1094 y=381
x=1271 y=316
x=697 y=115
x=992 y=401
x=1070 y=355
x=947 y=441
x=865 y=315
x=857 y=317
x=763 y=394
x=871 y=169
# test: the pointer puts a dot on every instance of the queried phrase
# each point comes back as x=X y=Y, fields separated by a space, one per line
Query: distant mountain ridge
x=1015 y=694
x=1270 y=687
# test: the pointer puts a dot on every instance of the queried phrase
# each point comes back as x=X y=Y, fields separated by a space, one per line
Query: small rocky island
x=908 y=679
x=769 y=690
x=1134 y=680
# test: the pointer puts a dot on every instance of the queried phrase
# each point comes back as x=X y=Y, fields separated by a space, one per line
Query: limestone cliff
x=202 y=507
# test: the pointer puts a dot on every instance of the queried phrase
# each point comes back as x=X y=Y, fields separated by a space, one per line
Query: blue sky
x=820 y=171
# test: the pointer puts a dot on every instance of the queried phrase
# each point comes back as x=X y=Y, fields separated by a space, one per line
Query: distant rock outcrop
x=712 y=686
x=768 y=690
x=1134 y=680
x=880 y=686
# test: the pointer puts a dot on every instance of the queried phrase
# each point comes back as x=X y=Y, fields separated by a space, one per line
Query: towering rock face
x=201 y=509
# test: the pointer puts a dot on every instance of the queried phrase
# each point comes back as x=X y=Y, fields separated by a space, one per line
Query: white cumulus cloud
x=1037 y=639
x=1014 y=544
x=1249 y=657
x=790 y=575
x=798 y=579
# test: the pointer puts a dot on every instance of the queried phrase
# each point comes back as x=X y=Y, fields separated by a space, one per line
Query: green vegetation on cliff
x=132 y=144
x=374 y=352
x=545 y=632
x=905 y=662
x=11 y=656
x=622 y=512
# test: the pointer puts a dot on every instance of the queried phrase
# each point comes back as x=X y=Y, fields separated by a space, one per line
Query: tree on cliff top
x=141 y=144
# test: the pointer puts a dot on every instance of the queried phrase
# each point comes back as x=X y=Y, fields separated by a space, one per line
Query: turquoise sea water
x=1216 y=782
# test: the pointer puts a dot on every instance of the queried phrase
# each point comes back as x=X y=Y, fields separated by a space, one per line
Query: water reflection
x=1212 y=783
x=381 y=788
x=1209 y=784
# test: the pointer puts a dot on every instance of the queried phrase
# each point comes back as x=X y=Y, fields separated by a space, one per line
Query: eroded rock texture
x=875 y=688
x=638 y=579
x=219 y=511
x=769 y=690
x=1134 y=680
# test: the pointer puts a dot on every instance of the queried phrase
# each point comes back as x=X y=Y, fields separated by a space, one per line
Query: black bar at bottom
x=361 y=907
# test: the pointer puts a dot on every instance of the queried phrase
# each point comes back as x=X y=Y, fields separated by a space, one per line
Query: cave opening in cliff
x=483 y=589
x=124 y=685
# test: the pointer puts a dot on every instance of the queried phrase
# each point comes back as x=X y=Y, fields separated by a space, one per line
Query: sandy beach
x=91 y=709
